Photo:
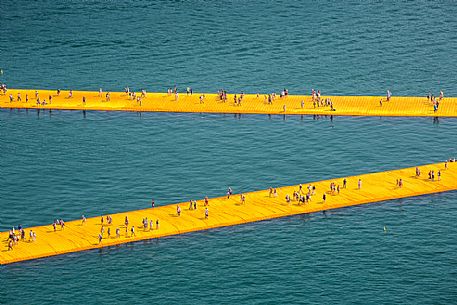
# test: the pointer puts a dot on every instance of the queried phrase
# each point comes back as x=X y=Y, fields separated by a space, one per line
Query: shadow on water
x=302 y=117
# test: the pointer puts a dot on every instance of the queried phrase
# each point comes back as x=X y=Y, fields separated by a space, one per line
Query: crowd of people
x=316 y=97
x=304 y=196
x=132 y=95
x=16 y=235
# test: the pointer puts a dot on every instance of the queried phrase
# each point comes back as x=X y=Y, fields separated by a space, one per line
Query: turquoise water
x=351 y=47
x=65 y=164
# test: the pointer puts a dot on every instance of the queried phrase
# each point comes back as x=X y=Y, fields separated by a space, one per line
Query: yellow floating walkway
x=259 y=205
x=251 y=104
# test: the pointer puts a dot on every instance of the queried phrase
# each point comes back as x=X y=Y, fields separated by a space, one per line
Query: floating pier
x=211 y=103
x=223 y=211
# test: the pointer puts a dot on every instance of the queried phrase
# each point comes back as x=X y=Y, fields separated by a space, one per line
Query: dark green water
x=65 y=164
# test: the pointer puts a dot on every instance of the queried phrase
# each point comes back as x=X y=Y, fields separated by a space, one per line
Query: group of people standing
x=304 y=197
x=14 y=236
x=436 y=102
